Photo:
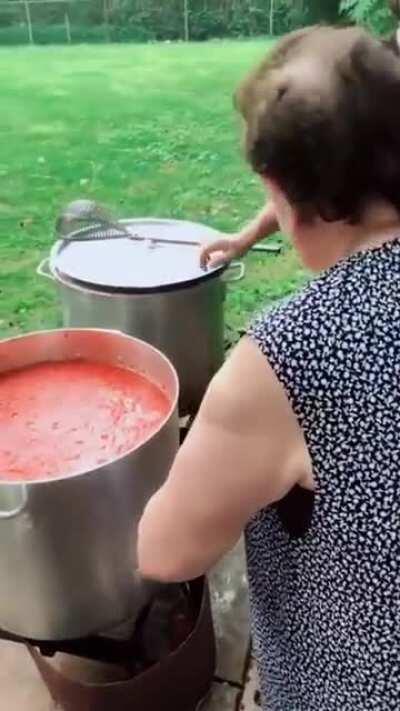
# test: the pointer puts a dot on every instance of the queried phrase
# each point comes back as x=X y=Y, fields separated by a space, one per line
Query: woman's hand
x=222 y=251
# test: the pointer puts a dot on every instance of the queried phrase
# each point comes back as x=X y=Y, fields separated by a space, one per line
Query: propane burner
x=165 y=662
x=159 y=629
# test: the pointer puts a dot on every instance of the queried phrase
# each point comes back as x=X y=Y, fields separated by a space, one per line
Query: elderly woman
x=298 y=439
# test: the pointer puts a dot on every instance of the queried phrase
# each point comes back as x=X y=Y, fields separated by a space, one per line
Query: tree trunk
x=29 y=22
x=67 y=28
x=106 y=19
x=323 y=10
x=395 y=7
x=271 y=17
x=186 y=19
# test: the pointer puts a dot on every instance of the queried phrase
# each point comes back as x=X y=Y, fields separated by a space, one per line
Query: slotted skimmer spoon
x=87 y=221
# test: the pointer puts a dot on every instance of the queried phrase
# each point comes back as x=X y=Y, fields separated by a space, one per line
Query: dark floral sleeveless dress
x=325 y=578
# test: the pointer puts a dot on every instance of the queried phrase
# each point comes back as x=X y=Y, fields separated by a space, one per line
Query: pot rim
x=107 y=289
x=124 y=336
x=103 y=290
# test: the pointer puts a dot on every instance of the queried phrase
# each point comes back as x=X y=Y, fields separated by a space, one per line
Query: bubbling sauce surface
x=57 y=419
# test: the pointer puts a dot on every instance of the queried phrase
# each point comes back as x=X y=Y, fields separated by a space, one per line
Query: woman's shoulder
x=327 y=295
x=308 y=304
x=303 y=328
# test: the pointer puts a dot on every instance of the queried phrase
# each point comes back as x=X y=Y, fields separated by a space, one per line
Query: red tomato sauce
x=57 y=419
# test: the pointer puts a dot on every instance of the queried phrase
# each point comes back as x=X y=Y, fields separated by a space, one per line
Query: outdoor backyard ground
x=149 y=130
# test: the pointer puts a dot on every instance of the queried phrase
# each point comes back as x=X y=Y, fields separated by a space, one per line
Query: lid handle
x=235 y=272
x=43 y=269
x=16 y=497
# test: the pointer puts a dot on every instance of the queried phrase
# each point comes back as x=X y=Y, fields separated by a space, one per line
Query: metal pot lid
x=138 y=265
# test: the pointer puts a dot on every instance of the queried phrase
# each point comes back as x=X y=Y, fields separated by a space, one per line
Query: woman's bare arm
x=245 y=451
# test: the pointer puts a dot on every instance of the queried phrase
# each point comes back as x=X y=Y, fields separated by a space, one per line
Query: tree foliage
x=375 y=14
x=221 y=18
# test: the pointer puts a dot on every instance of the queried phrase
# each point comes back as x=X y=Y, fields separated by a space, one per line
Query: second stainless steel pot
x=68 y=546
x=156 y=292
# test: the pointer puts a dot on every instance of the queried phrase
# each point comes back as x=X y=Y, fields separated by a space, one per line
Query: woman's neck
x=380 y=224
x=323 y=244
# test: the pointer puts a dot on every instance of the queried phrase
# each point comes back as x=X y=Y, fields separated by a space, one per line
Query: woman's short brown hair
x=322 y=119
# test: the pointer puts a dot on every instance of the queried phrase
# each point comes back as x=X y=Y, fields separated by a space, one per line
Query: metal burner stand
x=176 y=683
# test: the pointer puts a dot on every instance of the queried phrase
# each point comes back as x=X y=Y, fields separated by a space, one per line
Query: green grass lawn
x=147 y=129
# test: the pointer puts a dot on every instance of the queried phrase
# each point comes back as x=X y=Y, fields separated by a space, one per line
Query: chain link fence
x=52 y=22
x=77 y=21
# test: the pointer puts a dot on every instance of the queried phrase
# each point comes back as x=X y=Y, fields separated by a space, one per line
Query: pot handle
x=43 y=269
x=238 y=270
x=16 y=506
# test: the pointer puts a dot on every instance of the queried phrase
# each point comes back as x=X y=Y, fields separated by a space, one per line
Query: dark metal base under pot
x=177 y=683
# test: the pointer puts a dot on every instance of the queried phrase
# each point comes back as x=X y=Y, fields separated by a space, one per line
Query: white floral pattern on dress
x=326 y=606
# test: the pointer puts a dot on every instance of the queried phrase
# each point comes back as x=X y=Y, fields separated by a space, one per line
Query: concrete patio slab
x=223 y=697
x=251 y=700
x=230 y=605
x=21 y=689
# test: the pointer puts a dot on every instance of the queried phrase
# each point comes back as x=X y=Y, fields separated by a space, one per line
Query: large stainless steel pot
x=68 y=546
x=154 y=291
